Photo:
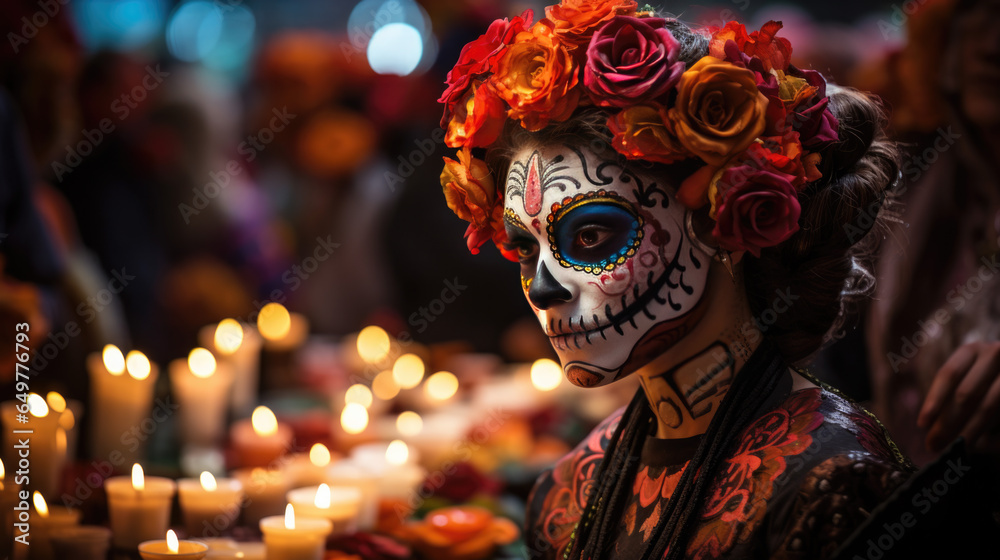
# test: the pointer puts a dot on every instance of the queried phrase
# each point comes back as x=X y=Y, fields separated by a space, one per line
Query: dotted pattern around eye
x=559 y=209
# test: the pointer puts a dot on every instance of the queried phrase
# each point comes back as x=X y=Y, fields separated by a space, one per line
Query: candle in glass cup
x=209 y=506
x=172 y=549
x=138 y=507
x=48 y=522
x=288 y=538
x=339 y=504
x=121 y=396
x=201 y=386
x=265 y=493
x=85 y=542
x=238 y=345
x=257 y=442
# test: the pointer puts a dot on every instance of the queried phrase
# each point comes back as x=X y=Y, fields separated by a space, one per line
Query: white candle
x=46 y=439
x=209 y=506
x=265 y=493
x=339 y=504
x=138 y=507
x=121 y=395
x=202 y=389
x=288 y=538
x=172 y=549
x=228 y=549
x=282 y=331
x=257 y=442
x=238 y=345
x=45 y=523
x=347 y=473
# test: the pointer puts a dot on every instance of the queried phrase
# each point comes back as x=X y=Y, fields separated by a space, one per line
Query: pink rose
x=757 y=208
x=631 y=60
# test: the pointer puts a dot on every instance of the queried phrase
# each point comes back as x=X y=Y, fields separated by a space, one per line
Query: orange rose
x=477 y=120
x=719 y=110
x=576 y=20
x=537 y=78
x=644 y=132
x=472 y=196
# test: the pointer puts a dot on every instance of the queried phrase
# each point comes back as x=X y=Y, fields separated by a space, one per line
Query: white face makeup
x=606 y=262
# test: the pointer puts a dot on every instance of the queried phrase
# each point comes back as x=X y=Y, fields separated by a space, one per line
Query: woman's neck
x=686 y=384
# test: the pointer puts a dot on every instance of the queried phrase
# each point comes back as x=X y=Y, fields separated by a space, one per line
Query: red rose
x=631 y=60
x=757 y=208
x=479 y=57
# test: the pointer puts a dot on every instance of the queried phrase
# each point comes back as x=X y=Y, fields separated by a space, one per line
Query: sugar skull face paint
x=606 y=262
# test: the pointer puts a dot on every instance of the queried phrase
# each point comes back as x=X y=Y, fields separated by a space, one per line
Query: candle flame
x=37 y=406
x=172 y=545
x=228 y=336
x=384 y=386
x=409 y=423
x=373 y=344
x=40 y=506
x=319 y=455
x=360 y=394
x=263 y=421
x=201 y=362
x=114 y=360
x=208 y=483
x=138 y=479
x=322 y=496
x=3 y=472
x=67 y=420
x=55 y=401
x=546 y=374
x=289 y=517
x=138 y=365
x=442 y=385
x=408 y=371
x=397 y=453
x=274 y=321
x=354 y=418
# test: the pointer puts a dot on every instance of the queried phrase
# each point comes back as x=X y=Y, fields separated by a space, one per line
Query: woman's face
x=606 y=261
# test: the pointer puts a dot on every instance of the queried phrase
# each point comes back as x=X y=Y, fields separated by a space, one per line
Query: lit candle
x=238 y=345
x=339 y=504
x=354 y=418
x=48 y=445
x=172 y=549
x=260 y=440
x=288 y=538
x=138 y=506
x=408 y=371
x=69 y=413
x=265 y=493
x=209 y=506
x=373 y=345
x=86 y=542
x=47 y=522
x=347 y=473
x=546 y=374
x=308 y=469
x=201 y=386
x=8 y=499
x=400 y=479
x=283 y=333
x=119 y=402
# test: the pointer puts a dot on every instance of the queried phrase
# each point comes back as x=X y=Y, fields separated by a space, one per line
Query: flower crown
x=756 y=122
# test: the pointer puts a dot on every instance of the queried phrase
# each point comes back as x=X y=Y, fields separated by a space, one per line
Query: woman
x=677 y=201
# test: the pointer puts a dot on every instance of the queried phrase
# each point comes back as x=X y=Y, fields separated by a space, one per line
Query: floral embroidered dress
x=803 y=476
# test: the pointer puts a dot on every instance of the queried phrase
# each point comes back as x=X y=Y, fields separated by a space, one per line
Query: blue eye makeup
x=594 y=232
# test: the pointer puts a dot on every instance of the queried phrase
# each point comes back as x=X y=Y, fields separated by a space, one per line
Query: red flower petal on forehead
x=533 y=188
